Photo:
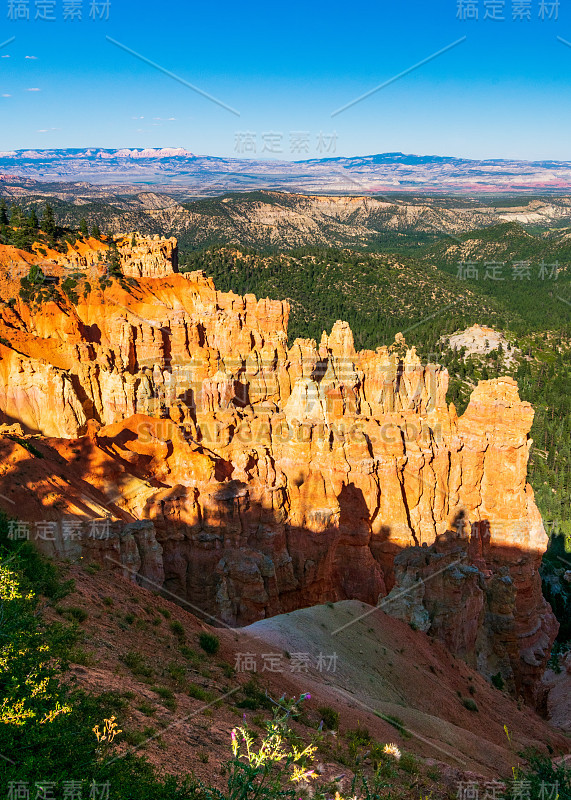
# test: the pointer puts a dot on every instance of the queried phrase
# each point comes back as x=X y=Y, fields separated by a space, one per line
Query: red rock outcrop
x=271 y=477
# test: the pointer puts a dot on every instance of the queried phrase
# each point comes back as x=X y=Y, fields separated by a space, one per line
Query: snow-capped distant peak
x=163 y=152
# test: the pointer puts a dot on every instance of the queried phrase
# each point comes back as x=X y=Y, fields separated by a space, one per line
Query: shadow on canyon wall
x=239 y=560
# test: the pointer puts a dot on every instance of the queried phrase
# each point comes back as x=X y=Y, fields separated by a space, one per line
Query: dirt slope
x=145 y=648
x=384 y=667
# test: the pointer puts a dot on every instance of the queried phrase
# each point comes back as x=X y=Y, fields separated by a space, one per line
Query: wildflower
x=301 y=774
x=392 y=750
x=306 y=753
x=110 y=731
x=305 y=696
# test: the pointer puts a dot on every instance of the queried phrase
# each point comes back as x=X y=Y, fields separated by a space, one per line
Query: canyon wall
x=249 y=478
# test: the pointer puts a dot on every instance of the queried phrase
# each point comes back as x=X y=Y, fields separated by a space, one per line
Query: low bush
x=330 y=717
x=209 y=643
x=177 y=629
x=198 y=693
x=137 y=664
x=167 y=696
x=72 y=613
x=470 y=704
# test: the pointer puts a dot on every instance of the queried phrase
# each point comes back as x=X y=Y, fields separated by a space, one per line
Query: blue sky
x=286 y=66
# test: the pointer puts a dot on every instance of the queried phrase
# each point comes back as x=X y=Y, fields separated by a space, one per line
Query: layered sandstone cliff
x=142 y=257
x=270 y=477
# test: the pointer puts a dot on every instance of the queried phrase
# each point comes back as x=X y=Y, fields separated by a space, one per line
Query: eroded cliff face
x=265 y=478
x=142 y=257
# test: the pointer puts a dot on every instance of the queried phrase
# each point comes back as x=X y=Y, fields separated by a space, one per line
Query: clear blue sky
x=286 y=66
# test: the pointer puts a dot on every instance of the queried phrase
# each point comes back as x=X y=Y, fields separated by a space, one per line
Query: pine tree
x=83 y=228
x=48 y=221
x=15 y=216
x=3 y=213
x=95 y=232
x=33 y=222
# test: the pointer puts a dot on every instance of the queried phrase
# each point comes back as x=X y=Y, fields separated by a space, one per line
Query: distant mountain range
x=180 y=172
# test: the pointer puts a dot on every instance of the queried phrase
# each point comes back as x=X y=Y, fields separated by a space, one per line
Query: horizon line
x=189 y=154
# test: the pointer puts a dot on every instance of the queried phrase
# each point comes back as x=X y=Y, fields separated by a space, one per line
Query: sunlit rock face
x=272 y=477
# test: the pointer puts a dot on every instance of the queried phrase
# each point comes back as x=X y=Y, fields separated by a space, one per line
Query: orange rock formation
x=252 y=478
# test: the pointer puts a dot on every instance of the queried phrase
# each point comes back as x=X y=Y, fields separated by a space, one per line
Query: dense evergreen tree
x=33 y=222
x=15 y=216
x=48 y=222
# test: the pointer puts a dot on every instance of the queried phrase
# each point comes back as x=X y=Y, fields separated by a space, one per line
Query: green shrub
x=137 y=664
x=209 y=643
x=358 y=736
x=330 y=717
x=408 y=763
x=198 y=693
x=78 y=655
x=39 y=574
x=27 y=445
x=249 y=703
x=164 y=692
x=176 y=671
x=396 y=722
x=177 y=629
x=539 y=777
x=68 y=286
x=498 y=681
x=189 y=653
x=72 y=613
x=469 y=703
x=254 y=697
x=135 y=738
